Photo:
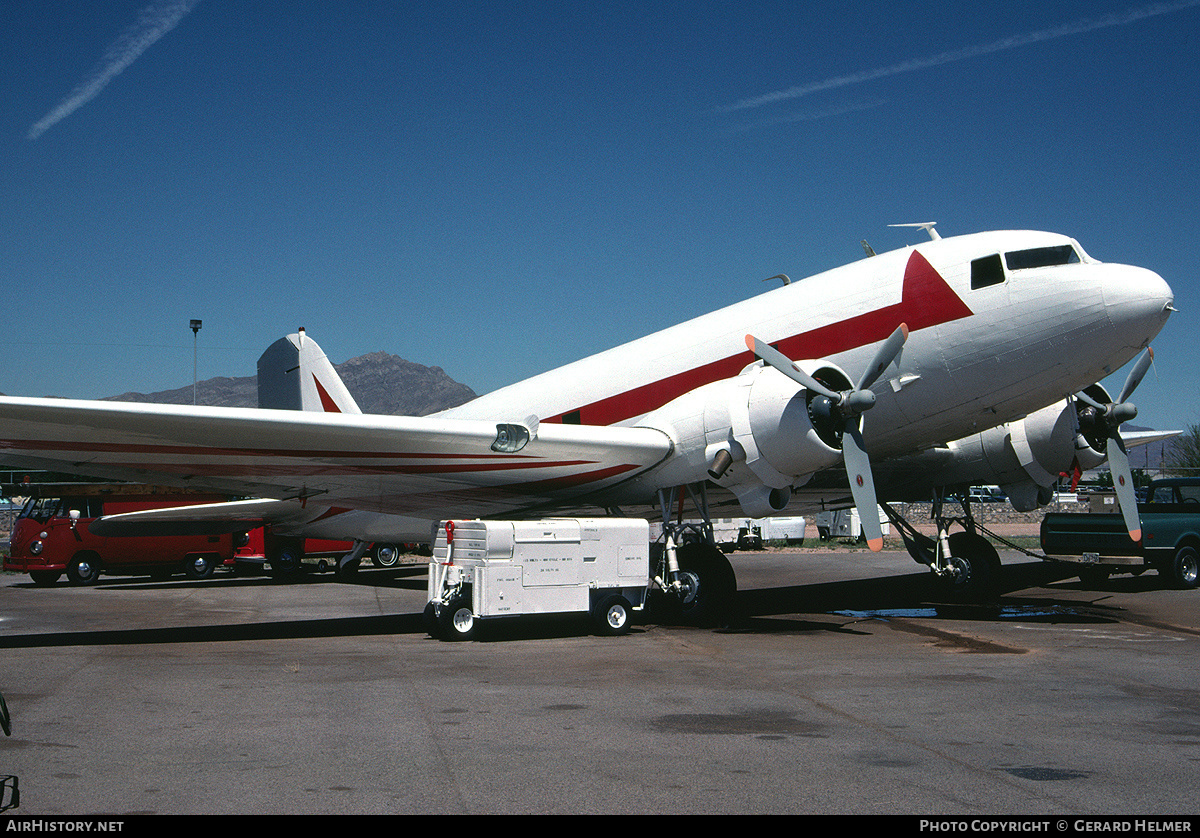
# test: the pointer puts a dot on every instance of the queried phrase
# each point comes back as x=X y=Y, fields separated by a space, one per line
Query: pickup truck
x=1100 y=544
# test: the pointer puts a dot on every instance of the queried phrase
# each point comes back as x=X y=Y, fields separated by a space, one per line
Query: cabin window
x=1041 y=257
x=987 y=271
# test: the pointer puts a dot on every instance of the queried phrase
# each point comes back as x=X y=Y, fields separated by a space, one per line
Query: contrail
x=1076 y=28
x=153 y=22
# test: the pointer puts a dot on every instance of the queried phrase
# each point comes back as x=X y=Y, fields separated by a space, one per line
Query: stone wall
x=1000 y=518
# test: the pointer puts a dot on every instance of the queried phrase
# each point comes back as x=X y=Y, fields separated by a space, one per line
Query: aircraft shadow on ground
x=917 y=595
x=410 y=577
x=279 y=630
x=767 y=610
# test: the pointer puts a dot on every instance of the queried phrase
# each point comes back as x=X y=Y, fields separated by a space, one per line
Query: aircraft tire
x=709 y=588
x=978 y=564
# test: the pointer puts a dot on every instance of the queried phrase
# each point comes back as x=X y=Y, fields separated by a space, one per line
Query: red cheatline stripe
x=237 y=469
x=124 y=447
x=925 y=301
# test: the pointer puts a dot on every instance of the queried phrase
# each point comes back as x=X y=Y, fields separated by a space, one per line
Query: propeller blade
x=1136 y=375
x=1118 y=463
x=773 y=357
x=1122 y=410
x=851 y=404
x=886 y=353
x=862 y=487
x=1144 y=361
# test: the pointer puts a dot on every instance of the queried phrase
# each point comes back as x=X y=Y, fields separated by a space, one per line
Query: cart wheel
x=429 y=621
x=612 y=616
x=457 y=621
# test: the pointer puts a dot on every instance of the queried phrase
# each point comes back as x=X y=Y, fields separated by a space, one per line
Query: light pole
x=196 y=324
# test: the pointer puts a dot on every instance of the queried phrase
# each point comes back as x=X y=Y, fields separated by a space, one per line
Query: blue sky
x=499 y=188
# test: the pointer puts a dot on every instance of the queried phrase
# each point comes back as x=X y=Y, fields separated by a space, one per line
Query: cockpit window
x=986 y=271
x=1041 y=257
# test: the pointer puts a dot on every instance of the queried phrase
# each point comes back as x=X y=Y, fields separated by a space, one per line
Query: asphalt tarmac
x=843 y=686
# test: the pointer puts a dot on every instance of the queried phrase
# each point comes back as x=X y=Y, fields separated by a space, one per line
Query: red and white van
x=50 y=536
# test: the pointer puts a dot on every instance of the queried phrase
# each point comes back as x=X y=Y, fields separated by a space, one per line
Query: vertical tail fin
x=294 y=374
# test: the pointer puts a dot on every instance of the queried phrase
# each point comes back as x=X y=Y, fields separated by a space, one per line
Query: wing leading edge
x=397 y=464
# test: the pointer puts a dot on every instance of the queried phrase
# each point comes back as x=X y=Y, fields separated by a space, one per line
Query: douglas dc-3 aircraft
x=907 y=375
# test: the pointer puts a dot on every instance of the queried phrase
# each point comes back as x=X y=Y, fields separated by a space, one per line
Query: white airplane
x=964 y=360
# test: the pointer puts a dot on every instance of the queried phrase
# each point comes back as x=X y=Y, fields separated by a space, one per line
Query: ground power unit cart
x=484 y=570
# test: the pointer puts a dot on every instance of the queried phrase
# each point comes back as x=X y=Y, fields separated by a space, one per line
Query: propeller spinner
x=1110 y=417
x=848 y=406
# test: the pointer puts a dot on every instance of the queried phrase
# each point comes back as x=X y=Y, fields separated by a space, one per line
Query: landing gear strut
x=694 y=583
x=965 y=563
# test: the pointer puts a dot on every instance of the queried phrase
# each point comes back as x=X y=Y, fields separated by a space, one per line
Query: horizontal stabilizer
x=201 y=519
x=1133 y=439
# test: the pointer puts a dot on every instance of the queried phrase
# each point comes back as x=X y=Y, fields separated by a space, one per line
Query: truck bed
x=1091 y=537
x=1073 y=535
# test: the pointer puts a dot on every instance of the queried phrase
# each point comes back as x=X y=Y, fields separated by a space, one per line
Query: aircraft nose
x=1139 y=301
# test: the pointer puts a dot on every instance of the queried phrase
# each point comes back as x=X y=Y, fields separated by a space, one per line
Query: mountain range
x=380 y=383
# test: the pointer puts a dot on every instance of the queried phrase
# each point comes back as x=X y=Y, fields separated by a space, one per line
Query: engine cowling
x=758 y=434
x=1026 y=457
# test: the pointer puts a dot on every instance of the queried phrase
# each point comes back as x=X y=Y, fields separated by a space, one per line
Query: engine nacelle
x=757 y=434
x=1026 y=457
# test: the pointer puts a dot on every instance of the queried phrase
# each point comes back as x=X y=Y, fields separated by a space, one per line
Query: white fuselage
x=1035 y=337
x=975 y=357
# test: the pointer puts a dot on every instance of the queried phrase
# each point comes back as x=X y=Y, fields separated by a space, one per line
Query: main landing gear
x=694 y=583
x=965 y=564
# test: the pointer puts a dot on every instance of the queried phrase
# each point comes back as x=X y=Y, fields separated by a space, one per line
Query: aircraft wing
x=404 y=465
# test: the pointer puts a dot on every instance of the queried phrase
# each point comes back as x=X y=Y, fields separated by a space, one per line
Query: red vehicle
x=50 y=536
x=286 y=554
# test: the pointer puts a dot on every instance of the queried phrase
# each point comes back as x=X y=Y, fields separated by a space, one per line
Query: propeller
x=1109 y=418
x=847 y=406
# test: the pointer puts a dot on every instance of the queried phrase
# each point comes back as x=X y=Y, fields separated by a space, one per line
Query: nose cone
x=1138 y=302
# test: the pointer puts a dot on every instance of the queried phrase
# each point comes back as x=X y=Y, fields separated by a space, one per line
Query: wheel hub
x=463 y=619
x=687 y=585
x=1189 y=570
